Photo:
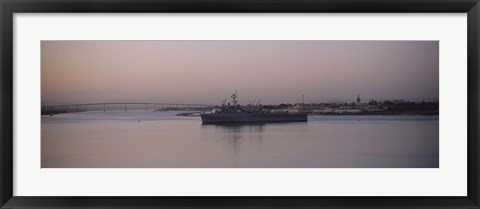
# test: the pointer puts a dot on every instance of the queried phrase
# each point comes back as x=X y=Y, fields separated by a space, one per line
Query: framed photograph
x=239 y=104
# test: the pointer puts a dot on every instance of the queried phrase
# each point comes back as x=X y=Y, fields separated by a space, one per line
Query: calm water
x=163 y=140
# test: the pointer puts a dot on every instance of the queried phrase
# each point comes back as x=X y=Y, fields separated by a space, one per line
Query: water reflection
x=237 y=138
x=236 y=127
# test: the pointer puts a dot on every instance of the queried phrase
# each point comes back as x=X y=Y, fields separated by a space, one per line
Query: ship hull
x=223 y=118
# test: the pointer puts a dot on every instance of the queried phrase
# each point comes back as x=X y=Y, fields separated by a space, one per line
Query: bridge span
x=124 y=105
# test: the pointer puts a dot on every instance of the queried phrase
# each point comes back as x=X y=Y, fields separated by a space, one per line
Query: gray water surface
x=163 y=140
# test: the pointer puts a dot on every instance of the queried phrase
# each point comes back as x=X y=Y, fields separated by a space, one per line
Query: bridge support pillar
x=104 y=107
x=125 y=107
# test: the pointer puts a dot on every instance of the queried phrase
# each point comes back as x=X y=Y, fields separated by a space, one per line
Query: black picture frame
x=9 y=7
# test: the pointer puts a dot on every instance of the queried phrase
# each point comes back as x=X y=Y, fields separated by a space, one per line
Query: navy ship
x=234 y=113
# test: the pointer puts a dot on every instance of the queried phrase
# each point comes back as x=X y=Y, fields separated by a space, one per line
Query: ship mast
x=234 y=98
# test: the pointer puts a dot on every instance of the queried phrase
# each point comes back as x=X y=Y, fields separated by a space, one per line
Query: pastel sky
x=206 y=72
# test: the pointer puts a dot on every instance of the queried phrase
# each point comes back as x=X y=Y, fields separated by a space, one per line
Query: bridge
x=125 y=106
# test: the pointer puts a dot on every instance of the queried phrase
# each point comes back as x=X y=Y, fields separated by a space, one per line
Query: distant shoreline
x=379 y=113
x=190 y=113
